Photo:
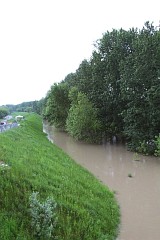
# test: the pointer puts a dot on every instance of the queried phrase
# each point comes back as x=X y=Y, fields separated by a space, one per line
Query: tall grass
x=86 y=209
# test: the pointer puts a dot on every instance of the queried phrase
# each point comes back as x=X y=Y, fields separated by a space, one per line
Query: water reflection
x=138 y=195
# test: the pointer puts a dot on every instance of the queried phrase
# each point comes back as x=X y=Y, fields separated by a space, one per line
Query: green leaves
x=3 y=112
x=139 y=86
x=57 y=105
x=82 y=122
x=43 y=216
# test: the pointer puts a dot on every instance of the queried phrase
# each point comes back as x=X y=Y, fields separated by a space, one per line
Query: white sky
x=41 y=41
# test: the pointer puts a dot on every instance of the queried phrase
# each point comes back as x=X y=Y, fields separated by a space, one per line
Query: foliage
x=43 y=217
x=146 y=147
x=113 y=48
x=157 y=142
x=37 y=106
x=32 y=106
x=83 y=77
x=57 y=105
x=3 y=112
x=86 y=209
x=140 y=88
x=82 y=121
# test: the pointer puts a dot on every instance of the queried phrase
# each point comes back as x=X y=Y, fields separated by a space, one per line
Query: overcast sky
x=41 y=41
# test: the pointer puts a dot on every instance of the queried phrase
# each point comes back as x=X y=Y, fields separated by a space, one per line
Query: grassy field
x=86 y=209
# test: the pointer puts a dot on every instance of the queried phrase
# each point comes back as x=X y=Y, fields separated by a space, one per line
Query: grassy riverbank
x=86 y=209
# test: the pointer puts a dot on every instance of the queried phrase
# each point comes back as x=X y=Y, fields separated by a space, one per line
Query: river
x=134 y=178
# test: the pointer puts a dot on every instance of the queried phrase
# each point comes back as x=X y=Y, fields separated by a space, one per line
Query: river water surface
x=134 y=178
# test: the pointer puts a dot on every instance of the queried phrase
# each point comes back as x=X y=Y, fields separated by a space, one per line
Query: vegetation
x=82 y=122
x=3 y=112
x=33 y=106
x=157 y=142
x=121 y=82
x=86 y=209
x=57 y=105
x=43 y=217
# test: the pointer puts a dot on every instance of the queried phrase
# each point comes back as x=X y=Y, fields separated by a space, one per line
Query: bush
x=146 y=147
x=157 y=142
x=43 y=217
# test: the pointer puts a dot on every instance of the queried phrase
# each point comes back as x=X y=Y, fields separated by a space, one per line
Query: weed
x=43 y=216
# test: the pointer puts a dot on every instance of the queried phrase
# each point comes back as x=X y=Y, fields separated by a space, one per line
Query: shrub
x=146 y=147
x=157 y=142
x=43 y=217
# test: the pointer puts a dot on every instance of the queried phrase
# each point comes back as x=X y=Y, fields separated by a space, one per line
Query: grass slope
x=86 y=209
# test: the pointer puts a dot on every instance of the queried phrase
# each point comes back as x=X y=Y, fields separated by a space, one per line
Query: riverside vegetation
x=83 y=207
x=116 y=93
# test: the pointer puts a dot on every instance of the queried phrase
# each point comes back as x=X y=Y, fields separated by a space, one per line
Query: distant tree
x=3 y=112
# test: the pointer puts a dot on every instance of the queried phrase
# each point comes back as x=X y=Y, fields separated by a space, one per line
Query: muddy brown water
x=134 y=178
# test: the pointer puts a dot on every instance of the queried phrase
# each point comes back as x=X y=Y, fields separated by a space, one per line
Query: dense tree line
x=114 y=93
x=32 y=106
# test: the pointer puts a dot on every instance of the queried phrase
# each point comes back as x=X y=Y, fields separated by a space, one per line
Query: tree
x=38 y=106
x=112 y=49
x=57 y=105
x=84 y=77
x=140 y=89
x=3 y=112
x=82 y=122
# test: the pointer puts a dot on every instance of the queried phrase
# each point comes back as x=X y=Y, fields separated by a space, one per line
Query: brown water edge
x=138 y=195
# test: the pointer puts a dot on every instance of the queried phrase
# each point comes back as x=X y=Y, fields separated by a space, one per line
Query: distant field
x=86 y=209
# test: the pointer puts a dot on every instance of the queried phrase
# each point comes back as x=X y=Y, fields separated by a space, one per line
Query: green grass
x=86 y=209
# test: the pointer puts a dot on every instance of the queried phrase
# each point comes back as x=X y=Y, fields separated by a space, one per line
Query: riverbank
x=86 y=209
